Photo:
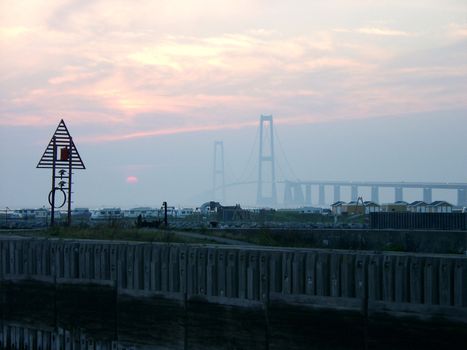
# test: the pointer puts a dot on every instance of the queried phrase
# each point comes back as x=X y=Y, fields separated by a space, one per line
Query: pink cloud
x=382 y=31
x=131 y=77
x=163 y=132
x=295 y=120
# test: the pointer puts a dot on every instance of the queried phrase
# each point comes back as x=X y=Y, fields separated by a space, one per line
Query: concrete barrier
x=13 y=336
x=226 y=274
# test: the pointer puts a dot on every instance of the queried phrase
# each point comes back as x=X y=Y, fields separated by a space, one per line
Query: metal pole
x=52 y=212
x=70 y=152
x=165 y=214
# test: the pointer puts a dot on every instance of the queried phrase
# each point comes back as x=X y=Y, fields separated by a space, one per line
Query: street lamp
x=6 y=216
x=46 y=216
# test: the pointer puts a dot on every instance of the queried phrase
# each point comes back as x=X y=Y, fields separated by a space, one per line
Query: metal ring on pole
x=64 y=197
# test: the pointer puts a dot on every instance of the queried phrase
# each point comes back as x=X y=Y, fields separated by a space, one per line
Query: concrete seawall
x=420 y=285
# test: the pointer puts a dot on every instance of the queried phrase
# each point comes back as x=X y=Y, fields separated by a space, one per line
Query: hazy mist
x=179 y=168
x=359 y=90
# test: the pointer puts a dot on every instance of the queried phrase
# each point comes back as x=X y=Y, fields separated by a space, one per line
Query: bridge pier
x=288 y=194
x=322 y=199
x=298 y=194
x=308 y=195
x=427 y=195
x=462 y=197
x=375 y=194
x=337 y=193
x=353 y=192
x=398 y=194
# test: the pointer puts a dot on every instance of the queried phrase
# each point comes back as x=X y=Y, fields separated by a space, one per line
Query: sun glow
x=132 y=179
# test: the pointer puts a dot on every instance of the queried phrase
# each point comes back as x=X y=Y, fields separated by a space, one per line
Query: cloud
x=458 y=30
x=163 y=132
x=375 y=31
x=9 y=33
x=70 y=75
x=280 y=120
x=382 y=31
x=132 y=69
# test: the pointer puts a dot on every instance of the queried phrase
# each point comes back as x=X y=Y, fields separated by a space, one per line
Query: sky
x=359 y=90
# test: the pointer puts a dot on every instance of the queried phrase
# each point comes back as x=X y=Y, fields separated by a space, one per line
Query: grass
x=111 y=232
x=264 y=237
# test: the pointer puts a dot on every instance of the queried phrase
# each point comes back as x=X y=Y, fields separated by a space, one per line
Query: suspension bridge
x=299 y=193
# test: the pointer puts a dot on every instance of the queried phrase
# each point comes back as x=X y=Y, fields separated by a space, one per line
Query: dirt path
x=213 y=238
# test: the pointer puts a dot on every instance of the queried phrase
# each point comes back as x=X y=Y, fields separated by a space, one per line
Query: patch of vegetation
x=115 y=232
x=266 y=237
x=291 y=217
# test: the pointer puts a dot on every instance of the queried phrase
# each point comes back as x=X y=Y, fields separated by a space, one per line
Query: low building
x=232 y=213
x=353 y=208
x=80 y=215
x=303 y=210
x=440 y=207
x=36 y=214
x=145 y=212
x=396 y=207
x=311 y=210
x=336 y=208
x=183 y=212
x=371 y=207
x=209 y=207
x=104 y=214
x=418 y=207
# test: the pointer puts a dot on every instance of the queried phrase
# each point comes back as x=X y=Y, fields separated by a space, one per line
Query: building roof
x=367 y=203
x=439 y=203
x=209 y=206
x=231 y=207
x=417 y=204
x=336 y=204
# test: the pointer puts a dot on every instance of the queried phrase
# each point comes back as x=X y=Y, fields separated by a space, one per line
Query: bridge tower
x=218 y=178
x=266 y=194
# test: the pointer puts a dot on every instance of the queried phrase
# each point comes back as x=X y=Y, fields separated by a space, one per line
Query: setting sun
x=132 y=179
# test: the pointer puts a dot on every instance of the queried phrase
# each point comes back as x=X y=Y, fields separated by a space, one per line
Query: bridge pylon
x=267 y=193
x=218 y=178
